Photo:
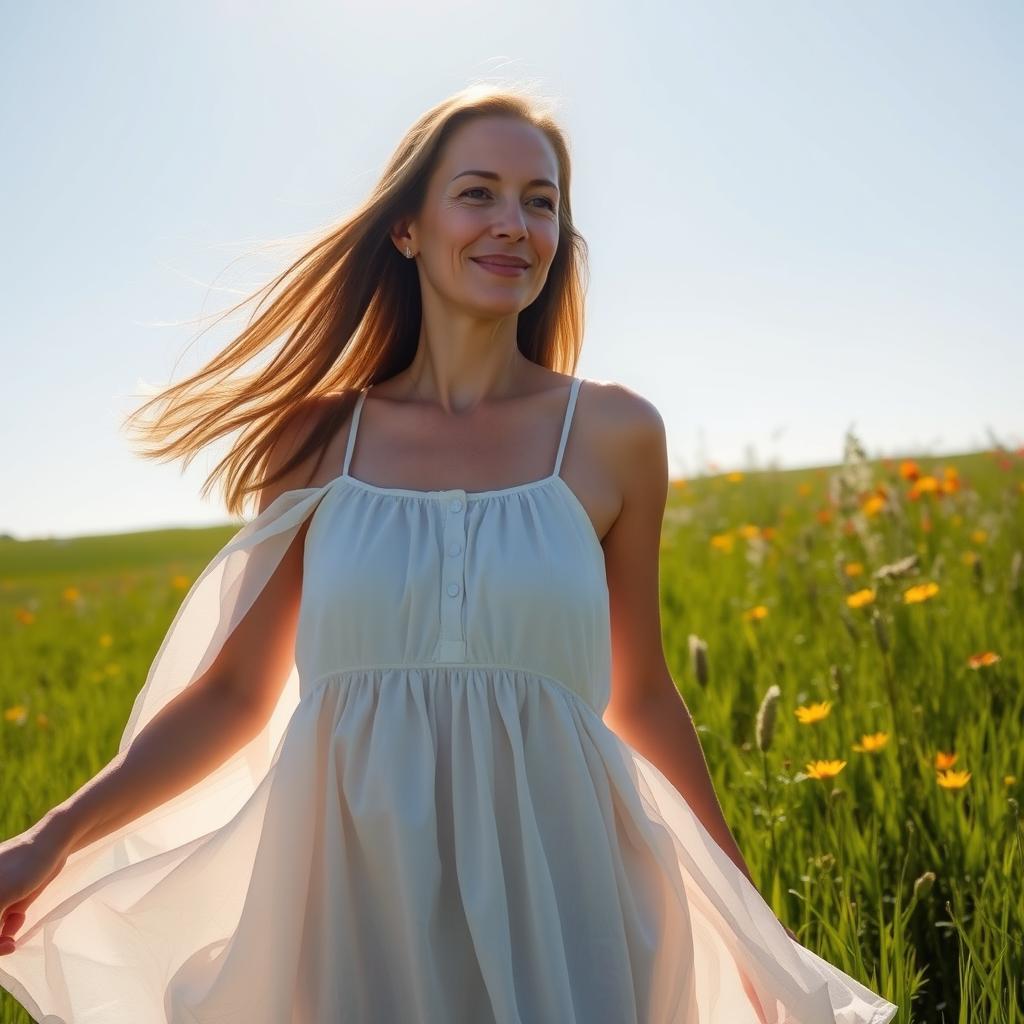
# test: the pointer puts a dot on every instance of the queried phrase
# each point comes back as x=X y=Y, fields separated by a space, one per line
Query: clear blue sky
x=801 y=216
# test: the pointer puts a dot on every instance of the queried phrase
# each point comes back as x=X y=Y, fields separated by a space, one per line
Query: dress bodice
x=511 y=577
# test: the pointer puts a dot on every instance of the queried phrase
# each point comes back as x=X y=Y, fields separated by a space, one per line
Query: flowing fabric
x=435 y=824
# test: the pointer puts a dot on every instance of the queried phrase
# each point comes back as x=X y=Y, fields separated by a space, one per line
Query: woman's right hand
x=28 y=863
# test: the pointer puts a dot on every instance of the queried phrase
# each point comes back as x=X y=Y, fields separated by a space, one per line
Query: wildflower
x=909 y=469
x=825 y=769
x=180 y=582
x=944 y=760
x=106 y=639
x=811 y=713
x=922 y=592
x=854 y=569
x=953 y=780
x=71 y=594
x=873 y=505
x=860 y=598
x=757 y=612
x=871 y=742
x=17 y=714
x=977 y=661
x=722 y=542
x=979 y=536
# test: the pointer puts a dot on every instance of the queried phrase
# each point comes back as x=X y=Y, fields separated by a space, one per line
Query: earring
x=408 y=252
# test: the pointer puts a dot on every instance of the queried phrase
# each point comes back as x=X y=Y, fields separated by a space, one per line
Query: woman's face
x=508 y=207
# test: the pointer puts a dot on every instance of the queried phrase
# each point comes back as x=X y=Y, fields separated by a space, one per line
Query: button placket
x=452 y=645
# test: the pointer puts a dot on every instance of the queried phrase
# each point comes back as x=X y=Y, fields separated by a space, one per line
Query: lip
x=501 y=269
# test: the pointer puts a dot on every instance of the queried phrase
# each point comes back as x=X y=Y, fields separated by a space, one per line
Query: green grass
x=753 y=566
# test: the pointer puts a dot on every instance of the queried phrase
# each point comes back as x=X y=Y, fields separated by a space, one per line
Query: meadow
x=847 y=638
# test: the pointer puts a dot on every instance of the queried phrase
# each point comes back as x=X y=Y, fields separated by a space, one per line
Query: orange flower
x=71 y=594
x=811 y=713
x=909 y=470
x=979 y=536
x=873 y=505
x=944 y=760
x=854 y=569
x=976 y=661
x=180 y=582
x=860 y=598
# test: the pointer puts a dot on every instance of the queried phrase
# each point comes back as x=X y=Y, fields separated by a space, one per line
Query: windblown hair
x=350 y=308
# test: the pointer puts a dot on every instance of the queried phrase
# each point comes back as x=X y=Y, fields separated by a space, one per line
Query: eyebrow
x=497 y=177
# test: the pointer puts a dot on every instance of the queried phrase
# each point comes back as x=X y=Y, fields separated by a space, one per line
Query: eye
x=479 y=188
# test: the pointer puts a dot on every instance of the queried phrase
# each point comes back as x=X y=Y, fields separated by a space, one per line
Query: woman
x=382 y=768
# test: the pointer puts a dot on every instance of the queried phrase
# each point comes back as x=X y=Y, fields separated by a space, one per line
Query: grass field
x=848 y=640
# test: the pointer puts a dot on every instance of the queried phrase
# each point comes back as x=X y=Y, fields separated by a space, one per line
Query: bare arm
x=645 y=707
x=207 y=722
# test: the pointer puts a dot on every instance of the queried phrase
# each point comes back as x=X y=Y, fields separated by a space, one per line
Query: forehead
x=509 y=146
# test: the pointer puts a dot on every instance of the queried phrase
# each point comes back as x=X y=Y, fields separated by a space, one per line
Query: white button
x=456 y=505
x=454 y=549
x=453 y=589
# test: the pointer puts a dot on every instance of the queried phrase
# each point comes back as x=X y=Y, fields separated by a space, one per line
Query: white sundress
x=435 y=826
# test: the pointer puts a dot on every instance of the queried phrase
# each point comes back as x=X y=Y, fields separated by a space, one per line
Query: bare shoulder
x=628 y=431
x=629 y=428
x=309 y=416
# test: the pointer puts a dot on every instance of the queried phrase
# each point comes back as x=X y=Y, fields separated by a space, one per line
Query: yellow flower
x=871 y=742
x=922 y=592
x=734 y=478
x=977 y=661
x=71 y=594
x=757 y=612
x=854 y=569
x=805 y=489
x=180 y=582
x=978 y=536
x=968 y=558
x=825 y=769
x=722 y=542
x=924 y=485
x=811 y=713
x=873 y=505
x=16 y=714
x=944 y=760
x=749 y=532
x=106 y=639
x=860 y=598
x=1009 y=780
x=953 y=780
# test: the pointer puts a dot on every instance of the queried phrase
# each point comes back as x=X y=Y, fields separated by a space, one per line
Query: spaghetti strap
x=570 y=406
x=350 y=447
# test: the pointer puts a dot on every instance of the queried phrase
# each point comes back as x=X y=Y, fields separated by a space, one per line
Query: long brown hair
x=350 y=306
